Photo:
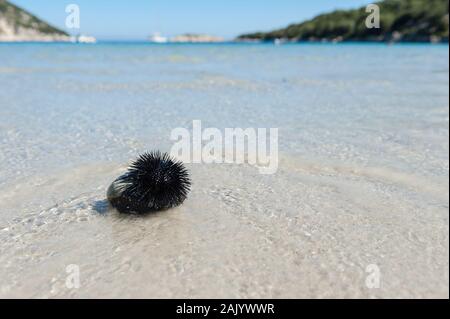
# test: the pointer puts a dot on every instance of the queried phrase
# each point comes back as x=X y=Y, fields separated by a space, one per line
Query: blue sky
x=136 y=19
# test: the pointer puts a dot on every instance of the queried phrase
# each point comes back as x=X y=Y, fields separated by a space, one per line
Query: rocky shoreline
x=399 y=21
x=18 y=25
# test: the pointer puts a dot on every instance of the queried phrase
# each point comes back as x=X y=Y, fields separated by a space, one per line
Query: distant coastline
x=400 y=21
x=225 y=43
x=18 y=25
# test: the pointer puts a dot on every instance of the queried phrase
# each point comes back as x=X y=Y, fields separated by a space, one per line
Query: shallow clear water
x=363 y=176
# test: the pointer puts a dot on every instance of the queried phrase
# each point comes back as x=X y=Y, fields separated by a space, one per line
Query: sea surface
x=362 y=187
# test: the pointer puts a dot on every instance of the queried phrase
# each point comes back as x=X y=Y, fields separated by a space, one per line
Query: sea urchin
x=153 y=182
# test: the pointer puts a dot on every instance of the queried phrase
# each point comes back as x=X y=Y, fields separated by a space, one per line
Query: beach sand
x=309 y=231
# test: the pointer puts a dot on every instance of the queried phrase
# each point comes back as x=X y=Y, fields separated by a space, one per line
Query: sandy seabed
x=308 y=231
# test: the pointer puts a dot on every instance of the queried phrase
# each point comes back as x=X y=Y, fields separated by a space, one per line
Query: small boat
x=158 y=38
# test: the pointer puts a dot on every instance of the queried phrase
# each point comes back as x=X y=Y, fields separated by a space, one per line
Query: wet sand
x=303 y=233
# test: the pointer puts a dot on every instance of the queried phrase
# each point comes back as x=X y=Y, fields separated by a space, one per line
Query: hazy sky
x=136 y=19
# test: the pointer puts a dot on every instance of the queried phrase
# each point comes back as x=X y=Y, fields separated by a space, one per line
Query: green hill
x=401 y=20
x=17 y=24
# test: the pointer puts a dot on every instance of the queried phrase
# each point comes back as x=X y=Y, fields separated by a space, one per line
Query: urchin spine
x=153 y=182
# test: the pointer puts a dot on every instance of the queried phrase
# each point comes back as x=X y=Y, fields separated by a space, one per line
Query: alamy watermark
x=373 y=279
x=73 y=17
x=254 y=146
x=73 y=277
x=373 y=20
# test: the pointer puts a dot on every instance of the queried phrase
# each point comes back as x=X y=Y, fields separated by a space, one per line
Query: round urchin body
x=153 y=182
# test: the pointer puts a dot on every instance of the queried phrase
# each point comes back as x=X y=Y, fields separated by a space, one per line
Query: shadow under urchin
x=152 y=183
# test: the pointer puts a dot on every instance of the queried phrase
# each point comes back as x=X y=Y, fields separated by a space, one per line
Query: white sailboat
x=158 y=38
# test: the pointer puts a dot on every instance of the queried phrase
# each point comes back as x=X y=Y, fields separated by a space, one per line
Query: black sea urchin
x=153 y=182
